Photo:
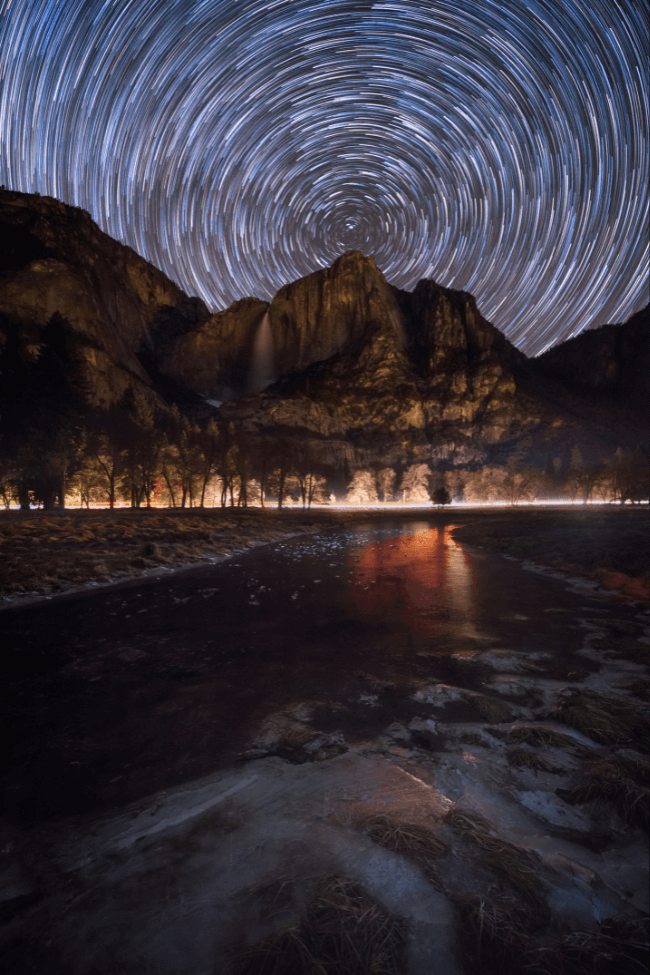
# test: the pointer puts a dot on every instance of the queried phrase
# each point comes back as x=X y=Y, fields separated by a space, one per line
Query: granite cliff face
x=358 y=370
x=308 y=321
x=116 y=307
x=420 y=377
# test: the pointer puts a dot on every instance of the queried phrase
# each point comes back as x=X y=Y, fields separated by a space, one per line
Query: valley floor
x=46 y=554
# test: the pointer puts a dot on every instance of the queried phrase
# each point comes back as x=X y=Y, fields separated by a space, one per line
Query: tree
x=143 y=449
x=627 y=479
x=105 y=446
x=225 y=463
x=47 y=459
x=584 y=480
x=518 y=483
x=183 y=457
x=242 y=462
x=304 y=464
x=414 y=485
x=282 y=454
x=262 y=454
x=441 y=496
x=9 y=475
x=385 y=479
x=362 y=489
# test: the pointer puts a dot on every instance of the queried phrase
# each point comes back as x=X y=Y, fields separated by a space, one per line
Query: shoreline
x=76 y=552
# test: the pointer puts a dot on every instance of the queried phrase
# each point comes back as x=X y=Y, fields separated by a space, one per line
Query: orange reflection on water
x=423 y=579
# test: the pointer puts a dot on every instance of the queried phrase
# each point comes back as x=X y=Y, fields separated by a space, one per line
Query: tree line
x=135 y=455
x=132 y=454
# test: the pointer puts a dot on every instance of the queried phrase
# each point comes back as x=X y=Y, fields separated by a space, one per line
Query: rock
x=360 y=373
x=214 y=357
x=613 y=360
x=114 y=306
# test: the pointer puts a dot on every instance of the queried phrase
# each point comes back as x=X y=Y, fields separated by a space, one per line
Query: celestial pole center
x=497 y=147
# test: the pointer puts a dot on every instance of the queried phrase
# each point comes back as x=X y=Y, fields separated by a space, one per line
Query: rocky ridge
x=611 y=360
x=356 y=369
x=117 y=307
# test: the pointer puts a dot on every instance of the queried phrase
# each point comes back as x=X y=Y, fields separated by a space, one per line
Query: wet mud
x=178 y=746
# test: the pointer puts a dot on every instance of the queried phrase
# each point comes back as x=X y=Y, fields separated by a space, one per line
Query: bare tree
x=519 y=483
x=584 y=480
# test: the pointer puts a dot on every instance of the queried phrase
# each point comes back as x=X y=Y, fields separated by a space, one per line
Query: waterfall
x=262 y=369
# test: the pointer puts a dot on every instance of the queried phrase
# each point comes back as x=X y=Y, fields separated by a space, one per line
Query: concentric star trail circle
x=499 y=147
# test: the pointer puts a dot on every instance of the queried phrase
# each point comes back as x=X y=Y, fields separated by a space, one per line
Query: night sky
x=498 y=147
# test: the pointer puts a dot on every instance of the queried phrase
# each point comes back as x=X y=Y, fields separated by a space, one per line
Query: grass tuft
x=496 y=939
x=493 y=936
x=638 y=686
x=419 y=844
x=607 y=720
x=472 y=739
x=619 y=780
x=514 y=866
x=343 y=932
x=538 y=736
x=490 y=709
x=621 y=947
x=522 y=758
x=467 y=821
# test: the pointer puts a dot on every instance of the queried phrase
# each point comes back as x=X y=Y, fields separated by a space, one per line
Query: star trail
x=497 y=147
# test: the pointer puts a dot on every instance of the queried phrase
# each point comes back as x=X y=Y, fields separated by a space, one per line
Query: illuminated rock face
x=317 y=316
x=364 y=372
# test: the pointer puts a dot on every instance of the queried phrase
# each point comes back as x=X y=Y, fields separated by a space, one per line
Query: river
x=339 y=674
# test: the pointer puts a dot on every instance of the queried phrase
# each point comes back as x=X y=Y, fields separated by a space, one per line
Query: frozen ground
x=189 y=758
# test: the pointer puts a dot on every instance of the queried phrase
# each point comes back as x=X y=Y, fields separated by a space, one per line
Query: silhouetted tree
x=183 y=454
x=304 y=471
x=143 y=449
x=105 y=447
x=207 y=440
x=282 y=465
x=263 y=458
x=518 y=483
x=584 y=480
x=242 y=460
x=441 y=496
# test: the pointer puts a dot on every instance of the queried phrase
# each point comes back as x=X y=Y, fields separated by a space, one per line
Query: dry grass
x=467 y=821
x=42 y=554
x=495 y=939
x=619 y=948
x=490 y=709
x=522 y=758
x=419 y=844
x=627 y=647
x=516 y=869
x=607 y=720
x=619 y=780
x=602 y=544
x=272 y=897
x=514 y=866
x=537 y=737
x=622 y=639
x=343 y=932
